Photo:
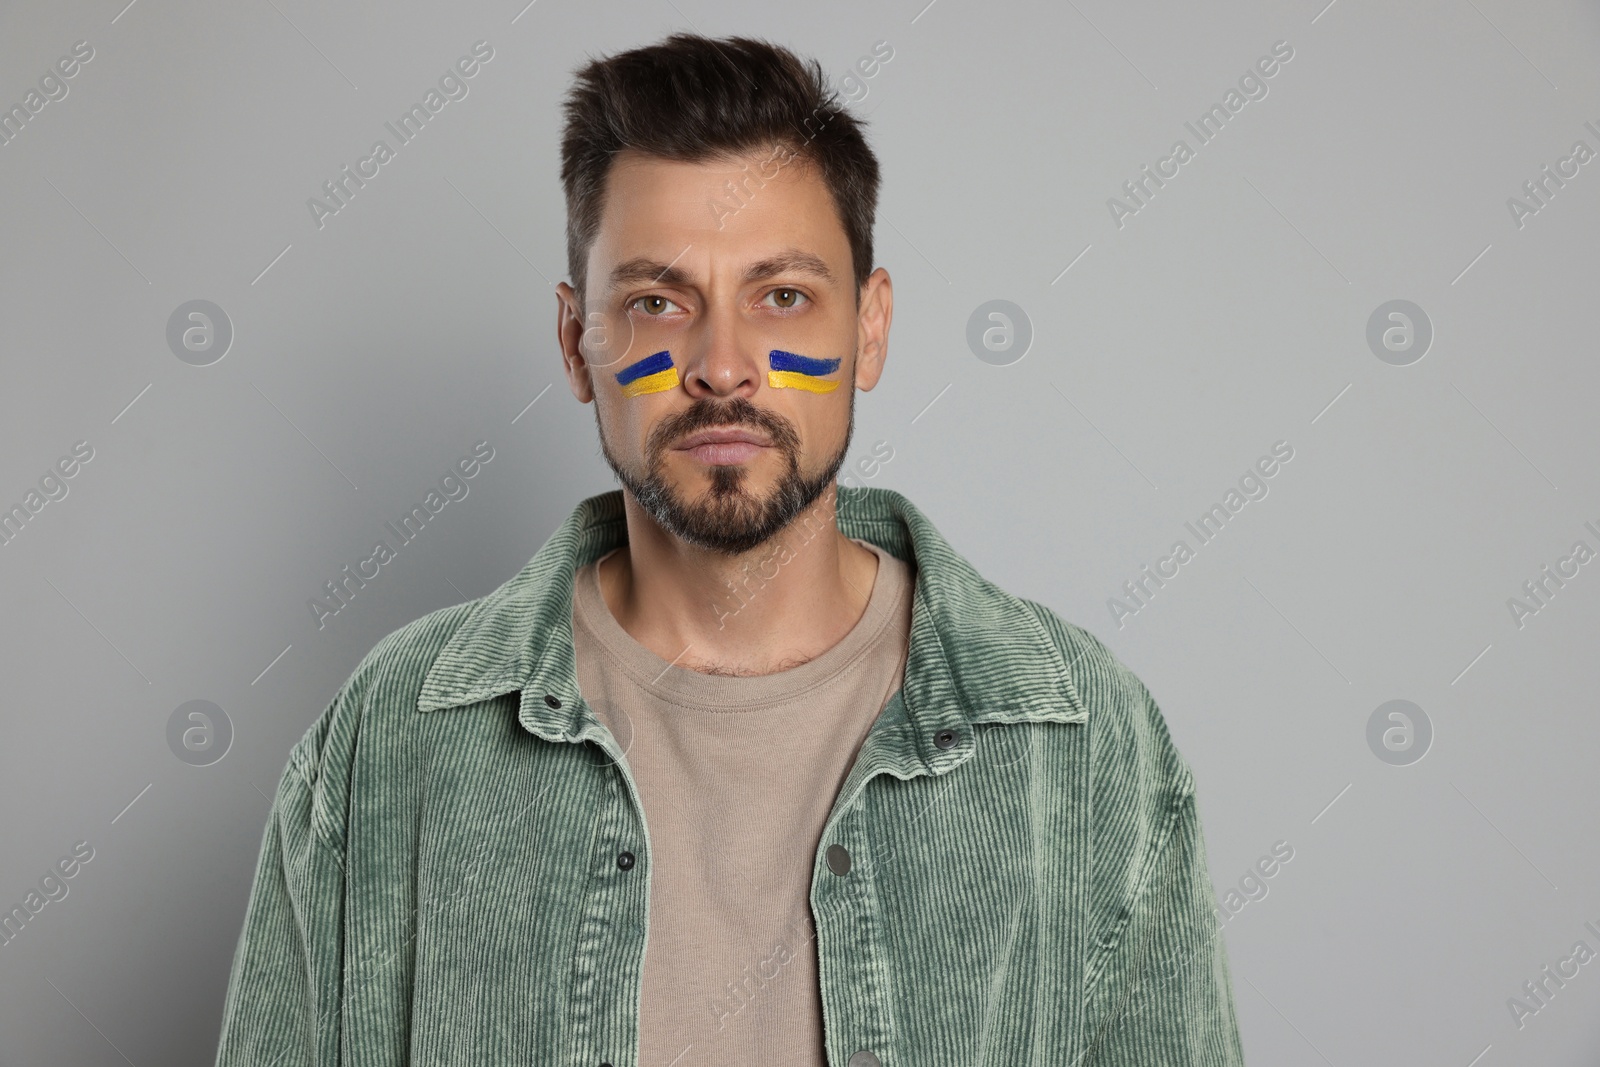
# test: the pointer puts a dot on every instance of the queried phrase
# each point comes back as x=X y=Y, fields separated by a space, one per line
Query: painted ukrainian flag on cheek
x=790 y=371
x=652 y=374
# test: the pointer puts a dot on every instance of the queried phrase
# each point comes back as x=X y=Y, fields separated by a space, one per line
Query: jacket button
x=945 y=738
x=554 y=703
x=863 y=1059
x=625 y=860
x=839 y=862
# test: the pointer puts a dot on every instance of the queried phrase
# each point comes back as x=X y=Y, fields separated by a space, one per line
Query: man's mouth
x=724 y=446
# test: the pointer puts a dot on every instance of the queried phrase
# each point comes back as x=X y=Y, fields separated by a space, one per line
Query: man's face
x=720 y=441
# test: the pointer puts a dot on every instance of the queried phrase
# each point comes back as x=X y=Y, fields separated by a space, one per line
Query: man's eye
x=788 y=298
x=653 y=305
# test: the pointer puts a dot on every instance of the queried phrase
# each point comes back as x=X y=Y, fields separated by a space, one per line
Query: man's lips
x=723 y=446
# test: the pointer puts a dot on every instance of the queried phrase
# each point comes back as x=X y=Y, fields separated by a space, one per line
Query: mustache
x=708 y=412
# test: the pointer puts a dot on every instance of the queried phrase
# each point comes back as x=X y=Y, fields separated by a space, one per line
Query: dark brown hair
x=694 y=99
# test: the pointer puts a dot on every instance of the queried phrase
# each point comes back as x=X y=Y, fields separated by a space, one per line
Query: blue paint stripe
x=782 y=360
x=654 y=364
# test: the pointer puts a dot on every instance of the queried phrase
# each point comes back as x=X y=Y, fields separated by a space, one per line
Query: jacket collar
x=976 y=654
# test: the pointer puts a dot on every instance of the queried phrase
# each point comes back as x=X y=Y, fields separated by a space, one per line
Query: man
x=745 y=767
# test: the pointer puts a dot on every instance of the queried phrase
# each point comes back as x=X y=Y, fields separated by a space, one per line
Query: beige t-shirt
x=737 y=775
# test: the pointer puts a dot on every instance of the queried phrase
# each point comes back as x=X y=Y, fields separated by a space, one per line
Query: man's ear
x=569 y=334
x=876 y=309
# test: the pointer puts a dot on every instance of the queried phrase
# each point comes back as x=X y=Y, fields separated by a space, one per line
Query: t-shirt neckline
x=719 y=692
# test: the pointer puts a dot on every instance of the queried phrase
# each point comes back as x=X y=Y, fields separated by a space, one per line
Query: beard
x=727 y=518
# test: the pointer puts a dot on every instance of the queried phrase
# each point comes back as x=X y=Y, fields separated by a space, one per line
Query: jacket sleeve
x=283 y=999
x=1168 y=996
x=1157 y=988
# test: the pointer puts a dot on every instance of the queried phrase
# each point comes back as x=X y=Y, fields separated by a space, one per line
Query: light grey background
x=1228 y=314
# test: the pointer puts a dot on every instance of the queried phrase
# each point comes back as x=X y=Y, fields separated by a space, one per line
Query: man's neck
x=770 y=609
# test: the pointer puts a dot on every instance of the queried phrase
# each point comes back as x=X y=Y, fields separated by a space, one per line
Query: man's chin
x=724 y=517
x=726 y=509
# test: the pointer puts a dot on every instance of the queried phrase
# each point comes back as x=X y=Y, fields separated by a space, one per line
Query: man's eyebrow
x=644 y=269
x=654 y=272
x=789 y=261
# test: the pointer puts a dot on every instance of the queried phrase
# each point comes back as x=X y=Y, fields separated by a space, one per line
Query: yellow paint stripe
x=658 y=382
x=788 y=379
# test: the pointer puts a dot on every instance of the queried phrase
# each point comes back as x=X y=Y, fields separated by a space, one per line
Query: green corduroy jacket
x=442 y=879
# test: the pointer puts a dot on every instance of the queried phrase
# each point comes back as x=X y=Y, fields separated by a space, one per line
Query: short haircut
x=693 y=99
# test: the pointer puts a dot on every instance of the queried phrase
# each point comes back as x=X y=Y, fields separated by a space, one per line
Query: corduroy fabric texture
x=442 y=879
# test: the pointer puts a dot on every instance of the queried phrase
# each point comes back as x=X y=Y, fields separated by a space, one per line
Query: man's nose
x=724 y=360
